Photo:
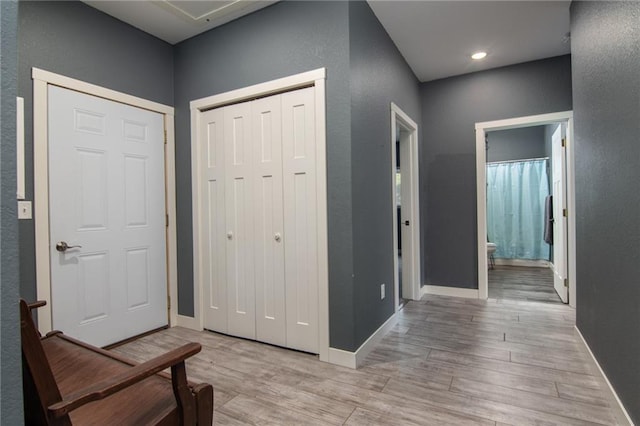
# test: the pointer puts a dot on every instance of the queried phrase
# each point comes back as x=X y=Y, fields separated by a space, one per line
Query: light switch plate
x=24 y=210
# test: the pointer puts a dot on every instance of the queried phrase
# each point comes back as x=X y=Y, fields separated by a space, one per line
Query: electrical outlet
x=24 y=210
x=381 y=291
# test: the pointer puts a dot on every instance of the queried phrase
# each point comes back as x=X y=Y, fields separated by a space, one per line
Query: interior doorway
x=561 y=258
x=406 y=222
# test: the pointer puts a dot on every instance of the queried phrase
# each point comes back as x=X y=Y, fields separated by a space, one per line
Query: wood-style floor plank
x=448 y=361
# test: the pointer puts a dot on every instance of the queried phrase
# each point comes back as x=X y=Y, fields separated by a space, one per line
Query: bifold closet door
x=239 y=206
x=266 y=122
x=213 y=241
x=300 y=219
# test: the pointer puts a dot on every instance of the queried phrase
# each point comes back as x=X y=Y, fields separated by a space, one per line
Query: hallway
x=448 y=361
x=522 y=283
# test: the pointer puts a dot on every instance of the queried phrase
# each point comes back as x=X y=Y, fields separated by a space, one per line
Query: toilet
x=491 y=248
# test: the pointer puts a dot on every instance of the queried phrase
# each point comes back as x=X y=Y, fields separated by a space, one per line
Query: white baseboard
x=523 y=262
x=469 y=293
x=621 y=414
x=355 y=359
x=188 y=322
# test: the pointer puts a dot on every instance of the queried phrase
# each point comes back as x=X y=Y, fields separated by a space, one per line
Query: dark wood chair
x=70 y=382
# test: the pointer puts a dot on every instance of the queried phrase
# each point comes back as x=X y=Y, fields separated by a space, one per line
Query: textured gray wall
x=379 y=76
x=10 y=360
x=75 y=40
x=280 y=40
x=606 y=94
x=450 y=109
x=516 y=144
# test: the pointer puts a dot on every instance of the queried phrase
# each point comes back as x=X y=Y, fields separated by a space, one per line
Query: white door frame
x=315 y=78
x=400 y=118
x=41 y=80
x=481 y=179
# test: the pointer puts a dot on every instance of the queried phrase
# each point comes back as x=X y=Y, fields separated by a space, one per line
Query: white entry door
x=107 y=218
x=559 y=173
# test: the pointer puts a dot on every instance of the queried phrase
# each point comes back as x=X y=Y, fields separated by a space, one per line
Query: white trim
x=41 y=80
x=259 y=90
x=622 y=412
x=374 y=339
x=469 y=293
x=99 y=91
x=342 y=358
x=355 y=359
x=481 y=181
x=20 y=187
x=315 y=78
x=188 y=322
x=399 y=116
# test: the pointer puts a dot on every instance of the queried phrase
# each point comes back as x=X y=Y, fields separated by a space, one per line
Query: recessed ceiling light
x=479 y=55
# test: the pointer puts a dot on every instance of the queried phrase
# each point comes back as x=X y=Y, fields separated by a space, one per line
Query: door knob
x=277 y=237
x=406 y=222
x=229 y=235
x=62 y=246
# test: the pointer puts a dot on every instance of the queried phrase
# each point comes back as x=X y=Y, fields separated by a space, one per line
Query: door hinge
x=168 y=302
x=166 y=220
x=564 y=142
x=564 y=213
x=566 y=282
x=165 y=138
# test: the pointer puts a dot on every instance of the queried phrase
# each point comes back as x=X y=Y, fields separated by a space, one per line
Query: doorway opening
x=406 y=222
x=548 y=253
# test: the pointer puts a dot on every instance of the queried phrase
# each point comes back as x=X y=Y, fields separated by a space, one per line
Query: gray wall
x=450 y=109
x=516 y=144
x=75 y=40
x=606 y=93
x=379 y=76
x=10 y=360
x=280 y=40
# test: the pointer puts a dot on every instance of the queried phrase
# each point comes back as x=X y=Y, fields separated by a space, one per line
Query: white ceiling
x=436 y=38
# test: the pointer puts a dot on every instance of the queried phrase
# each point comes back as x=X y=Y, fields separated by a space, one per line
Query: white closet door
x=239 y=208
x=269 y=240
x=214 y=234
x=300 y=219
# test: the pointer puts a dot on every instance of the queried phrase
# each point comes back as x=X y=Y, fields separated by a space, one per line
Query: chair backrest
x=40 y=388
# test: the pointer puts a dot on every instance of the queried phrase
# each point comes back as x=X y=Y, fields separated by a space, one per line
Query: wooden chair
x=70 y=382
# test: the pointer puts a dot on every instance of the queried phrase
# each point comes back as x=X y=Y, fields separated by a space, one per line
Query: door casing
x=481 y=178
x=41 y=79
x=399 y=119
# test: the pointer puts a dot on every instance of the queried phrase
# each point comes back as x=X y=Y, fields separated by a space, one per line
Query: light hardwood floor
x=448 y=361
x=520 y=283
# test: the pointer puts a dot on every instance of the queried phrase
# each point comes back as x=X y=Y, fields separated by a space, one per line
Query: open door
x=559 y=175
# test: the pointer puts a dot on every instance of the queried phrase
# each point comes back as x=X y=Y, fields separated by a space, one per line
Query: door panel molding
x=316 y=80
x=41 y=80
x=481 y=189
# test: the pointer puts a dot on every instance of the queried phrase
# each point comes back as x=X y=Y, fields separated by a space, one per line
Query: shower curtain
x=516 y=192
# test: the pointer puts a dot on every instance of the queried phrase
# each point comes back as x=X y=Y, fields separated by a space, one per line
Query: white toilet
x=491 y=248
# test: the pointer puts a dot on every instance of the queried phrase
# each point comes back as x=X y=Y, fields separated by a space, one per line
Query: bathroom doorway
x=556 y=274
x=519 y=242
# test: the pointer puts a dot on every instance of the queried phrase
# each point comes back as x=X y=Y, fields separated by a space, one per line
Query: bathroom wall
x=516 y=144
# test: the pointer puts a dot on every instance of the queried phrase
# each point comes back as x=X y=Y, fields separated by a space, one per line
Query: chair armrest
x=36 y=305
x=121 y=381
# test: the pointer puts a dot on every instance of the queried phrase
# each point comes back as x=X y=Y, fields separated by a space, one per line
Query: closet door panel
x=212 y=217
x=300 y=219
x=239 y=223
x=269 y=242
